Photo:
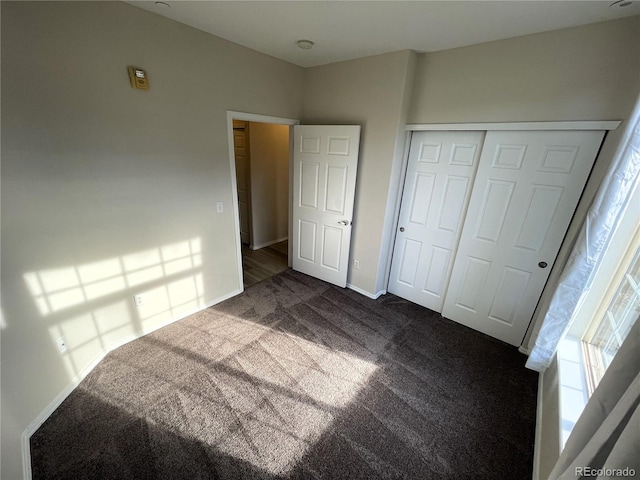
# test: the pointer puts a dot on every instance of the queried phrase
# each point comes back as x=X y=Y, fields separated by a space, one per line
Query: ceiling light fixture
x=305 y=44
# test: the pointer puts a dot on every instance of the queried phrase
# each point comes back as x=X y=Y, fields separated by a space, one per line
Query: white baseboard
x=365 y=293
x=523 y=349
x=48 y=411
x=66 y=391
x=266 y=244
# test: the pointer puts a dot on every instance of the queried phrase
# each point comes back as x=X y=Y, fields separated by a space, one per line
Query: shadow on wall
x=91 y=307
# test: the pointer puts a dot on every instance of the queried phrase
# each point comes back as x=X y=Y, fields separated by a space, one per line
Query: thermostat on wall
x=138 y=78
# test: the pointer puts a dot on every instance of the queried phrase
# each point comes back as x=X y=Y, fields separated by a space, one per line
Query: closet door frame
x=517 y=126
x=507 y=126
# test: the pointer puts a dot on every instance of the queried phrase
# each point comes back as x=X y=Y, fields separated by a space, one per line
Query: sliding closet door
x=436 y=194
x=526 y=190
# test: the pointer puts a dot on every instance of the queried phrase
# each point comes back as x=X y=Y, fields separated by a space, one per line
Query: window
x=611 y=325
x=604 y=317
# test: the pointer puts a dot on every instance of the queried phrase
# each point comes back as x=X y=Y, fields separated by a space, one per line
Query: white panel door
x=526 y=190
x=325 y=161
x=436 y=193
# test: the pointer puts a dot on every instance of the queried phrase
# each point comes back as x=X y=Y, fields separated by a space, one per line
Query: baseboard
x=538 y=435
x=266 y=244
x=525 y=350
x=365 y=293
x=66 y=391
x=49 y=409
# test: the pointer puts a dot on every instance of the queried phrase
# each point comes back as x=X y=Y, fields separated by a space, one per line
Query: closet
x=482 y=217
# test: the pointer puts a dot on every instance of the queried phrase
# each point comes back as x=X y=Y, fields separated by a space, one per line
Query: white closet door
x=436 y=193
x=526 y=190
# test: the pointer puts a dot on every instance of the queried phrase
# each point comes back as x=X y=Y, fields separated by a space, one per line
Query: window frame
x=621 y=241
x=573 y=378
x=591 y=352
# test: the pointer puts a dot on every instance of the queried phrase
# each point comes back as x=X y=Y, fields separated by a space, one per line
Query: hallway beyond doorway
x=264 y=263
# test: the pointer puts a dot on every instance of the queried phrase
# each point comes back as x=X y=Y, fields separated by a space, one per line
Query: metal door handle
x=402 y=229
x=344 y=222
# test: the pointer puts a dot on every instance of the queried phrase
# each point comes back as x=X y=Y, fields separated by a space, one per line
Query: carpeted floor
x=299 y=379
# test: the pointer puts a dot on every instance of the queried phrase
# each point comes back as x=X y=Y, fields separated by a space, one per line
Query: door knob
x=542 y=264
x=343 y=222
x=402 y=229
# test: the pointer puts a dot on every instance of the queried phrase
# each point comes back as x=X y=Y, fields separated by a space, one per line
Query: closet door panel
x=525 y=192
x=436 y=193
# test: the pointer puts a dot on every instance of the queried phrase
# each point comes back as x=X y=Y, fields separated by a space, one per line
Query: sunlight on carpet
x=297 y=379
x=272 y=403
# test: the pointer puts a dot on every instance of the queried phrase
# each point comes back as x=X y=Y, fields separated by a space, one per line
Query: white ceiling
x=352 y=29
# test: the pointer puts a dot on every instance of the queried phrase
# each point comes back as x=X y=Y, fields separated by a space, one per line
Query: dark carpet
x=298 y=379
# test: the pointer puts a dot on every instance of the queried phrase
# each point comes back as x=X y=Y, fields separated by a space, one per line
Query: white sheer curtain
x=603 y=218
x=605 y=442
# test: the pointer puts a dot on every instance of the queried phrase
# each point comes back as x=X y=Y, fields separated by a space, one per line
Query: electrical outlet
x=356 y=264
x=220 y=207
x=62 y=345
x=138 y=300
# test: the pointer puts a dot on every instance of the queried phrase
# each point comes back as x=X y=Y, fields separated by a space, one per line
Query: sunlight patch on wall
x=175 y=299
x=91 y=308
x=62 y=288
x=92 y=332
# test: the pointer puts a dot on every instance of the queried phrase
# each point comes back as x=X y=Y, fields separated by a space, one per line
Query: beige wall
x=269 y=147
x=396 y=179
x=368 y=92
x=108 y=191
x=583 y=73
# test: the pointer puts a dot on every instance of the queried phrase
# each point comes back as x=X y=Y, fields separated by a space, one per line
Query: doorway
x=260 y=151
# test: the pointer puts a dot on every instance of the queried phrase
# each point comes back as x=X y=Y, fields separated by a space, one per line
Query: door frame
x=254 y=117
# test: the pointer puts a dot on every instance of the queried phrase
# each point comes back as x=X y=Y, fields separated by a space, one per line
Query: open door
x=325 y=161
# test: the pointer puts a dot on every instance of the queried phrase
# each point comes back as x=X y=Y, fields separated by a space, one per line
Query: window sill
x=573 y=391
